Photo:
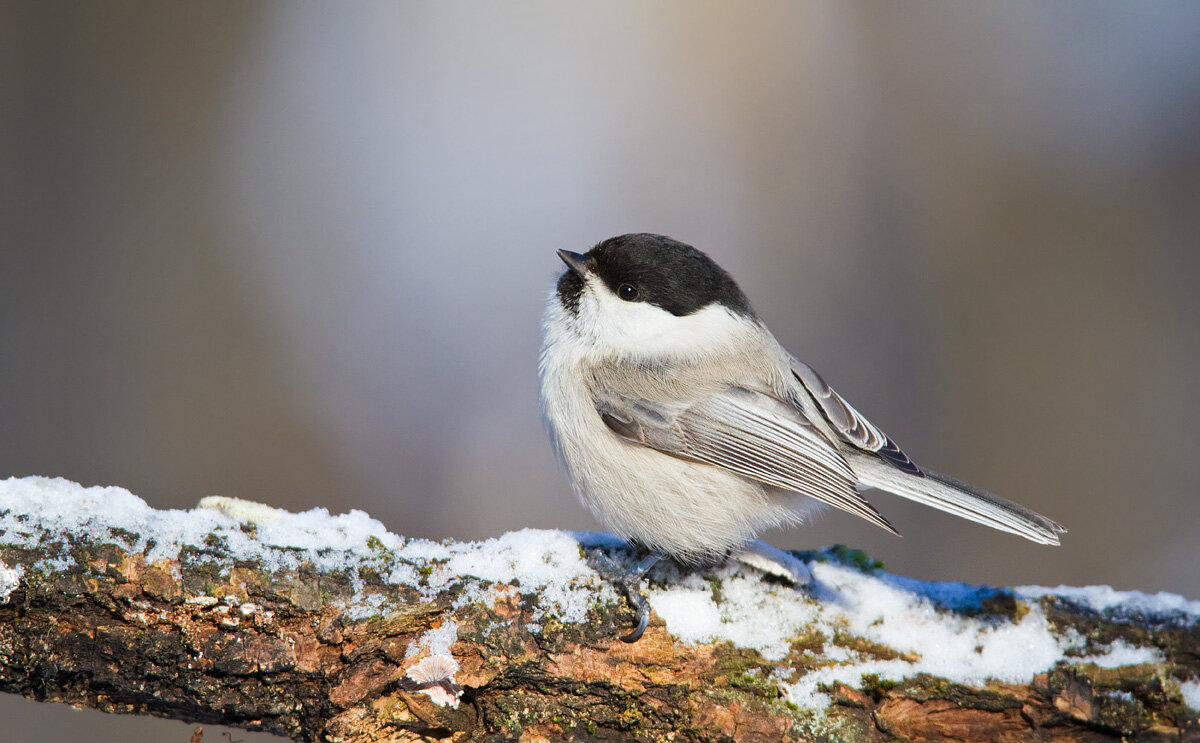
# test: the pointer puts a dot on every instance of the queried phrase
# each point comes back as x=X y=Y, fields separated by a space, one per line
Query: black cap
x=659 y=270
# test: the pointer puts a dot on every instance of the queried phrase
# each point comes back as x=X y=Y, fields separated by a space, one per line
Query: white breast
x=692 y=511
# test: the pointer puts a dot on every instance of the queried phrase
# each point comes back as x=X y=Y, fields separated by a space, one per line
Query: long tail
x=949 y=495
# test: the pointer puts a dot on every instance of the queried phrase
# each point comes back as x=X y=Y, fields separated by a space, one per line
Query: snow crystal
x=913 y=619
x=10 y=578
x=1191 y=693
x=548 y=563
x=436 y=641
x=1121 y=653
x=545 y=562
x=694 y=612
x=366 y=606
x=114 y=515
x=1121 y=604
x=909 y=618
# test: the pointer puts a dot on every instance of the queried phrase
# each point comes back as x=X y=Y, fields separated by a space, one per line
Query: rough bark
x=211 y=639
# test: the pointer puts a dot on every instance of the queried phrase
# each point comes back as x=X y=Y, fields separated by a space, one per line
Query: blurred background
x=298 y=254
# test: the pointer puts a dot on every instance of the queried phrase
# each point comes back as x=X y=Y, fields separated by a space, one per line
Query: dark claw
x=629 y=582
x=641 y=612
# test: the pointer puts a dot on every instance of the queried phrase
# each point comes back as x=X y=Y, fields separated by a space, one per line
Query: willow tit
x=686 y=428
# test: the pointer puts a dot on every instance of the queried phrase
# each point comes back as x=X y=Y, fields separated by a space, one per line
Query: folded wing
x=747 y=432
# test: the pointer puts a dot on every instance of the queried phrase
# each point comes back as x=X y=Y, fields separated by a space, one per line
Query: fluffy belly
x=694 y=512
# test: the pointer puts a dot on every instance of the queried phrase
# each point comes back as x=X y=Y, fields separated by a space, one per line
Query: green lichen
x=875 y=686
x=718 y=593
x=836 y=726
x=747 y=681
x=756 y=684
x=733 y=661
x=855 y=558
x=843 y=555
x=924 y=686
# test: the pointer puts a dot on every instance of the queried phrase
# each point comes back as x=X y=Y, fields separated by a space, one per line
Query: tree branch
x=326 y=627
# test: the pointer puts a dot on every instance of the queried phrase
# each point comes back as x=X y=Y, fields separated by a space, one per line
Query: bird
x=686 y=428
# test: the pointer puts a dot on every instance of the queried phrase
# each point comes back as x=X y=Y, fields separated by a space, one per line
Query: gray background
x=298 y=253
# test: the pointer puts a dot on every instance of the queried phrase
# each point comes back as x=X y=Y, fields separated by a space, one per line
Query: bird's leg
x=629 y=581
x=758 y=554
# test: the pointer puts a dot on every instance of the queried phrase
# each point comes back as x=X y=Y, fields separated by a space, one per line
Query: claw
x=641 y=613
x=630 y=584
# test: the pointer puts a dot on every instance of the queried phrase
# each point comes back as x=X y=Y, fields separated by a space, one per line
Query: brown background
x=298 y=253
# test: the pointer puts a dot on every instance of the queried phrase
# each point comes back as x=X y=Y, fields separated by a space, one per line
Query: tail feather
x=949 y=495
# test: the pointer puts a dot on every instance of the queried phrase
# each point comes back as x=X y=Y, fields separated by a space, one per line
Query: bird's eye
x=628 y=292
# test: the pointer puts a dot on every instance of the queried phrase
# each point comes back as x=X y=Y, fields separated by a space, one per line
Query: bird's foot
x=629 y=581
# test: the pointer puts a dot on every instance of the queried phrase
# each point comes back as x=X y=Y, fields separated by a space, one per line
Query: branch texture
x=322 y=627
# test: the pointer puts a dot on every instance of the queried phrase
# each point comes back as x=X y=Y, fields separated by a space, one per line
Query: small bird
x=686 y=428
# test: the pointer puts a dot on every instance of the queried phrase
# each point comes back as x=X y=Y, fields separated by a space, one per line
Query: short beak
x=577 y=262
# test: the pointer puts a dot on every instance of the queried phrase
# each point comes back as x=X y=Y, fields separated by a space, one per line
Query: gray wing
x=750 y=433
x=849 y=424
x=893 y=471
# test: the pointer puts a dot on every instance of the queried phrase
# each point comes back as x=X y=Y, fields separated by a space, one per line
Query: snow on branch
x=323 y=627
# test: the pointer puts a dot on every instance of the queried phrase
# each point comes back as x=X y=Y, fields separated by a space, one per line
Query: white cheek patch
x=644 y=329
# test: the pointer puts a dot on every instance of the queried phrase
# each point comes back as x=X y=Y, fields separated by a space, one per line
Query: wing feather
x=747 y=432
x=947 y=494
x=850 y=424
x=890 y=469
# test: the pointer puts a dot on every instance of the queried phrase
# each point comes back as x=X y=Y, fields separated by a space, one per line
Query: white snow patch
x=750 y=614
x=546 y=562
x=10 y=578
x=53 y=564
x=436 y=641
x=1121 y=653
x=909 y=616
x=543 y=562
x=366 y=606
x=1191 y=693
x=1105 y=599
x=114 y=515
x=423 y=549
x=904 y=615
